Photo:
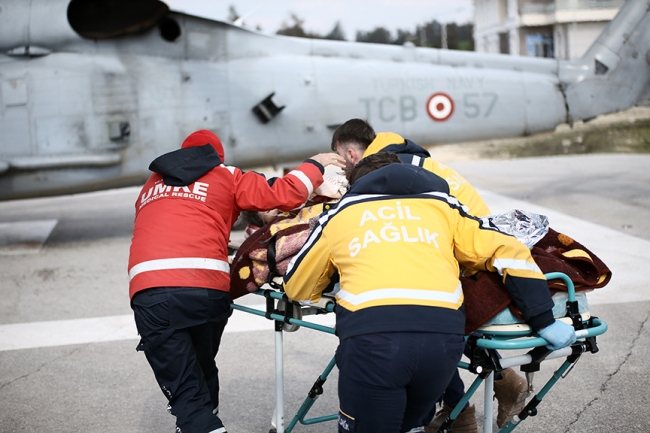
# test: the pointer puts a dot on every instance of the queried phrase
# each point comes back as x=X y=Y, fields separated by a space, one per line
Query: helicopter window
x=169 y=29
x=102 y=19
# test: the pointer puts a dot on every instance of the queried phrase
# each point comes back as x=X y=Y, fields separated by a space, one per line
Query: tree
x=293 y=30
x=432 y=34
x=452 y=36
x=380 y=35
x=459 y=37
x=232 y=14
x=336 y=34
x=466 y=37
x=404 y=36
x=297 y=29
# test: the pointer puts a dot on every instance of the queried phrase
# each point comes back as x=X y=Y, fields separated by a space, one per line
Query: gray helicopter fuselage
x=79 y=114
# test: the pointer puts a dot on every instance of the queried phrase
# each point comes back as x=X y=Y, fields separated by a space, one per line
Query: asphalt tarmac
x=67 y=339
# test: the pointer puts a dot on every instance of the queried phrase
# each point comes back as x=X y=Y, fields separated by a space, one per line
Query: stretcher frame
x=484 y=363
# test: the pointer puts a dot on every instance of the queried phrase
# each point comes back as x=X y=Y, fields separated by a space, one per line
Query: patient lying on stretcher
x=274 y=238
x=271 y=244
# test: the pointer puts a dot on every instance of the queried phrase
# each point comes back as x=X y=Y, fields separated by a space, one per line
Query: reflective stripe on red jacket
x=181 y=233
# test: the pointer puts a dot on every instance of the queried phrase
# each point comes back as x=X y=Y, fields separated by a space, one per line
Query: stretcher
x=484 y=363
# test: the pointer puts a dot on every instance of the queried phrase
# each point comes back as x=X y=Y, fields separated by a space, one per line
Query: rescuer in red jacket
x=178 y=264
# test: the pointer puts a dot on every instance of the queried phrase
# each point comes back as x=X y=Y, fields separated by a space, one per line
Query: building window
x=539 y=45
x=504 y=43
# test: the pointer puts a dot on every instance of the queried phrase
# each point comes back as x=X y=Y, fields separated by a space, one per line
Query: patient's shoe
x=465 y=423
x=511 y=392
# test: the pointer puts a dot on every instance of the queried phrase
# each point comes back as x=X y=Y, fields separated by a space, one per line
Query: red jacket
x=185 y=211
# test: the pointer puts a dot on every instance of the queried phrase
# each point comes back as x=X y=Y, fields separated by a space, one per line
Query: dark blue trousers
x=181 y=331
x=388 y=382
x=456 y=389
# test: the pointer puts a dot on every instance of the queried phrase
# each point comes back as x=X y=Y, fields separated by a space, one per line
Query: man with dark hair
x=355 y=131
x=356 y=139
x=178 y=264
x=397 y=239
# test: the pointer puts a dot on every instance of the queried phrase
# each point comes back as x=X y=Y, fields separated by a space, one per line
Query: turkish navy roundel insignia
x=440 y=107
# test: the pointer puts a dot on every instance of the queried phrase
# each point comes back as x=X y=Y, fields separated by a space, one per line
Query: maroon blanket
x=485 y=293
x=486 y=296
x=284 y=236
x=250 y=267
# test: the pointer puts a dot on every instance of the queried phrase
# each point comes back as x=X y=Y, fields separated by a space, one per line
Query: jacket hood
x=184 y=166
x=390 y=142
x=399 y=179
x=203 y=137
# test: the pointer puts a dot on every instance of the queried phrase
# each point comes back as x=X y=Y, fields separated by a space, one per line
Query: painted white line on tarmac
x=627 y=257
x=64 y=332
x=114 y=328
x=24 y=237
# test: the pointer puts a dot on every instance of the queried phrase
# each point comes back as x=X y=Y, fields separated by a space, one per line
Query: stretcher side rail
x=584 y=329
x=285 y=316
x=598 y=327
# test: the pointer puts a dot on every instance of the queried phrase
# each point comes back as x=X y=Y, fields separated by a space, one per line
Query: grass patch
x=611 y=138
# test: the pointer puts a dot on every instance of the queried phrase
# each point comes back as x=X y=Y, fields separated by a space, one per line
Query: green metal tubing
x=569 y=284
x=280 y=318
x=302 y=412
x=309 y=402
x=281 y=296
x=557 y=375
x=320 y=419
x=468 y=394
x=528 y=343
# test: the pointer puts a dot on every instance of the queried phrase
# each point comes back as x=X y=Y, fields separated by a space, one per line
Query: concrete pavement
x=67 y=342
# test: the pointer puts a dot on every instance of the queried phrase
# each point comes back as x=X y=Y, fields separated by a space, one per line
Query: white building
x=562 y=29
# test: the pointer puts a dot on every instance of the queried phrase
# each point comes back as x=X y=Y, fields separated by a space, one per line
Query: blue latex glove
x=559 y=335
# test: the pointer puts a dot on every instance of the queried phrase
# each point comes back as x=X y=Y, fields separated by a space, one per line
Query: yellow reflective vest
x=396 y=240
x=411 y=153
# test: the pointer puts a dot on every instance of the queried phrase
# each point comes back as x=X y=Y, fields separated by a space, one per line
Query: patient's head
x=371 y=163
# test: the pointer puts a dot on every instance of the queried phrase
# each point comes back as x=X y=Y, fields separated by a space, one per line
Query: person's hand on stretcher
x=558 y=335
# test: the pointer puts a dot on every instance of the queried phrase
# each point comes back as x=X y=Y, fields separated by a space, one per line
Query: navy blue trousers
x=180 y=331
x=456 y=389
x=388 y=382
